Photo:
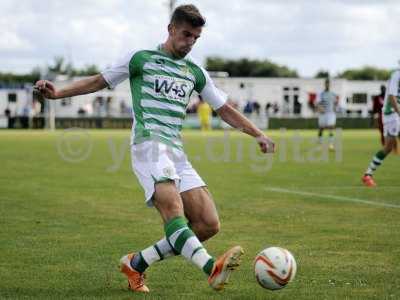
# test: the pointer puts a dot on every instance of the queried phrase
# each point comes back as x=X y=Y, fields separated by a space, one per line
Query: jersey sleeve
x=118 y=72
x=394 y=84
x=211 y=94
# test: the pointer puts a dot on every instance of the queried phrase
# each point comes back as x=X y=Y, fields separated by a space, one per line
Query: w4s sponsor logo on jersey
x=173 y=88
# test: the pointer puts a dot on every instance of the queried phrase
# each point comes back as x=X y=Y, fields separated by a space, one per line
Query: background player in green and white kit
x=326 y=105
x=391 y=126
x=162 y=80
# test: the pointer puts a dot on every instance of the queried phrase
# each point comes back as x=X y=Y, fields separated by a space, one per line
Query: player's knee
x=215 y=228
x=205 y=231
x=211 y=229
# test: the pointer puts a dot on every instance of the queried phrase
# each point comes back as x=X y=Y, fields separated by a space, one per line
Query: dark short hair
x=189 y=14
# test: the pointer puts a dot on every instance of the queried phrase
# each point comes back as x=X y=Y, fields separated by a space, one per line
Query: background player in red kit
x=377 y=111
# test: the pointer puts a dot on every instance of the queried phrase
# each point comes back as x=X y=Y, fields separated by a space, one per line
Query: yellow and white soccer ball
x=274 y=268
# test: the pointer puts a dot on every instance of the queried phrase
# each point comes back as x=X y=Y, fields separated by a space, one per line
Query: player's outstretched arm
x=234 y=118
x=85 y=86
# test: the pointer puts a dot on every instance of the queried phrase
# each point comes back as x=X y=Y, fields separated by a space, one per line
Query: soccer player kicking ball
x=391 y=126
x=162 y=81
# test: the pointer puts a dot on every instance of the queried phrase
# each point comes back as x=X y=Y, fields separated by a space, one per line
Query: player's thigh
x=199 y=207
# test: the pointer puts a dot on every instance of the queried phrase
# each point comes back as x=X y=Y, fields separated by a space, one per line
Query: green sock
x=376 y=162
x=156 y=252
x=184 y=241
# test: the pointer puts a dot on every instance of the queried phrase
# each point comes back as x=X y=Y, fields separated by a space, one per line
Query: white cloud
x=305 y=35
x=10 y=42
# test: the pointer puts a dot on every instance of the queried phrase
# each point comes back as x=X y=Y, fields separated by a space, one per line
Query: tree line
x=242 y=67
x=58 y=66
x=245 y=67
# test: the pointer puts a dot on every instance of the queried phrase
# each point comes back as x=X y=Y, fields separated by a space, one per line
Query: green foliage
x=10 y=78
x=86 y=71
x=245 y=67
x=322 y=74
x=366 y=73
x=60 y=67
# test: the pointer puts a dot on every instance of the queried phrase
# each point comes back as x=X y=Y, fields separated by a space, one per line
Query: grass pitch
x=70 y=207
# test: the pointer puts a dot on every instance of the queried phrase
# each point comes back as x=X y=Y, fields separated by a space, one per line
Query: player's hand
x=266 y=144
x=46 y=89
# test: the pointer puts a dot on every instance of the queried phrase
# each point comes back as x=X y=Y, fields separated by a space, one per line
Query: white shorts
x=391 y=125
x=154 y=162
x=326 y=120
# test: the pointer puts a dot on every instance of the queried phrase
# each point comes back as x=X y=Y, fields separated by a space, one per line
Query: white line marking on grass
x=346 y=187
x=339 y=198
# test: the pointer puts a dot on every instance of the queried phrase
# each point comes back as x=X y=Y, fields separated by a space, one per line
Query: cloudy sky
x=306 y=35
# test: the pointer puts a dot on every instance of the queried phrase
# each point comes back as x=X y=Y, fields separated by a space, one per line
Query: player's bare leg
x=199 y=209
x=169 y=203
x=182 y=239
x=320 y=134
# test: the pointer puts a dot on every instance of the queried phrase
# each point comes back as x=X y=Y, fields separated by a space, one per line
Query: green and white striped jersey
x=393 y=88
x=161 y=87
